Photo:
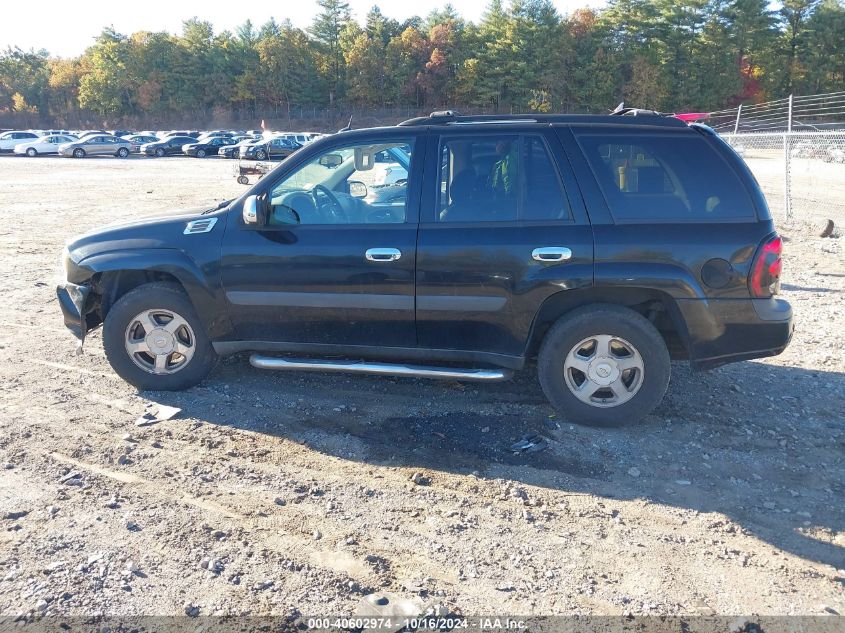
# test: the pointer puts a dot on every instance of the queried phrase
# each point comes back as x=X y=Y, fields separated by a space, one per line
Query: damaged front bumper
x=72 y=299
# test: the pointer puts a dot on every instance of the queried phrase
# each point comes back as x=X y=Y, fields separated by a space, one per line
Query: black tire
x=157 y=295
x=159 y=152
x=122 y=152
x=79 y=153
x=200 y=153
x=31 y=152
x=260 y=154
x=594 y=320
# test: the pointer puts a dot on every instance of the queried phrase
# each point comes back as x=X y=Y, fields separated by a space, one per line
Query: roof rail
x=646 y=117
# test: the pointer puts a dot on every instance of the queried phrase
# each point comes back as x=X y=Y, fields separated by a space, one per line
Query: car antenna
x=348 y=125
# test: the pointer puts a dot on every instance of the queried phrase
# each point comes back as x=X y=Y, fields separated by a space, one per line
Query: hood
x=164 y=230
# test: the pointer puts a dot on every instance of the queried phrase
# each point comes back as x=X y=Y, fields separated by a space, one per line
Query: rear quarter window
x=665 y=178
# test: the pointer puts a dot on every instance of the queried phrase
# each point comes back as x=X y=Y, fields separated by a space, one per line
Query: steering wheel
x=327 y=202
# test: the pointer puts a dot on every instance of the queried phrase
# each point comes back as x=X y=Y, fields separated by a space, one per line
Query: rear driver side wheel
x=122 y=152
x=159 y=152
x=79 y=153
x=604 y=365
x=31 y=152
x=154 y=340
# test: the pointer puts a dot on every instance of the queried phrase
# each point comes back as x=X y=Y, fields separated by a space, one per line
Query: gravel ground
x=279 y=491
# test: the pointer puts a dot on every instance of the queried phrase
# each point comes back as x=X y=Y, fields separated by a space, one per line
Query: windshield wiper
x=218 y=207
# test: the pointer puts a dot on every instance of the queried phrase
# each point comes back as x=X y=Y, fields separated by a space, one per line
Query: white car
x=8 y=140
x=389 y=173
x=303 y=138
x=44 y=145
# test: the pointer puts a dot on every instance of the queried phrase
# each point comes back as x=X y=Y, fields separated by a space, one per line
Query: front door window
x=346 y=185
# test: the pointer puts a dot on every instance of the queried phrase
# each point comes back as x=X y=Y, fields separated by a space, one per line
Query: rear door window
x=665 y=177
x=499 y=178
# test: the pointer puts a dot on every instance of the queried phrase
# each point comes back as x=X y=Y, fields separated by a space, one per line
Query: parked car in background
x=8 y=140
x=234 y=151
x=120 y=133
x=54 y=132
x=44 y=144
x=208 y=147
x=275 y=148
x=303 y=138
x=167 y=134
x=138 y=140
x=389 y=174
x=168 y=146
x=202 y=138
x=96 y=145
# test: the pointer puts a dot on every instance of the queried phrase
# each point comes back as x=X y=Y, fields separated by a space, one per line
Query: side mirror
x=332 y=161
x=250 y=210
x=357 y=189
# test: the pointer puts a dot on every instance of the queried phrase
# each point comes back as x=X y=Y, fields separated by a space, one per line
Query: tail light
x=765 y=269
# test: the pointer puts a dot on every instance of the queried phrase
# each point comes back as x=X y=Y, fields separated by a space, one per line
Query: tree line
x=671 y=55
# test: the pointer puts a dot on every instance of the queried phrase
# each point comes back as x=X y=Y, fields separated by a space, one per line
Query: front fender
x=201 y=282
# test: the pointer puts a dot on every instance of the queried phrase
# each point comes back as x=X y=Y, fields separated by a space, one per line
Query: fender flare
x=207 y=298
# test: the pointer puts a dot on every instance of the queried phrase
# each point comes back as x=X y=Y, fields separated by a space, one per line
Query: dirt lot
x=273 y=492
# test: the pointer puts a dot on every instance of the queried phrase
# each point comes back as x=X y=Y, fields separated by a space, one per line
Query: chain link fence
x=802 y=174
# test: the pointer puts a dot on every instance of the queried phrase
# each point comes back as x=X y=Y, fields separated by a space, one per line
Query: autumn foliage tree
x=522 y=55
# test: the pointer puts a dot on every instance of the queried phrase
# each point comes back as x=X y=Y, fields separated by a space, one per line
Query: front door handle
x=551 y=254
x=383 y=254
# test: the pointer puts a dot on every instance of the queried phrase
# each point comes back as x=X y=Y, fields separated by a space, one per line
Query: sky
x=66 y=27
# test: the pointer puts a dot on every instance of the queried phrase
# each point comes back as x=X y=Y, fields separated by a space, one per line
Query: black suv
x=168 y=146
x=276 y=148
x=457 y=247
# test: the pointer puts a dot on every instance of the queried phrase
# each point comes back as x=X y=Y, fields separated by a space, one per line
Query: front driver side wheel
x=31 y=152
x=122 y=152
x=79 y=153
x=154 y=340
x=604 y=365
x=159 y=152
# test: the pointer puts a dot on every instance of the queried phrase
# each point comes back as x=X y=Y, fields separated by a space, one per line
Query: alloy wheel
x=160 y=341
x=604 y=370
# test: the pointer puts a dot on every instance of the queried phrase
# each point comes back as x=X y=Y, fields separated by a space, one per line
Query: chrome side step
x=379 y=369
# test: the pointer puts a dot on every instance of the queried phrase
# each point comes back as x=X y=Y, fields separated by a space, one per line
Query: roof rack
x=451 y=117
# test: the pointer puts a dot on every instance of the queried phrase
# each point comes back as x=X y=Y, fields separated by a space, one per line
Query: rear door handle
x=383 y=254
x=551 y=254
